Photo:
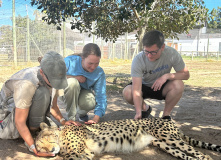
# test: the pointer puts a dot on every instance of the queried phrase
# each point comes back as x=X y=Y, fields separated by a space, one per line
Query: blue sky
x=20 y=9
x=210 y=4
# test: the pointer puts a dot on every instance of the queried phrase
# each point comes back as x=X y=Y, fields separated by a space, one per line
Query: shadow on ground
x=197 y=114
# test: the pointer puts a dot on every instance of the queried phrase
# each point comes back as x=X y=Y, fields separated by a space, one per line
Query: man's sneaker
x=145 y=114
x=166 y=117
x=83 y=119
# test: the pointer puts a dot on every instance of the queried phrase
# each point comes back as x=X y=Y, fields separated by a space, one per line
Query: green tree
x=116 y=17
x=215 y=19
x=6 y=36
x=38 y=30
x=41 y=35
x=6 y=31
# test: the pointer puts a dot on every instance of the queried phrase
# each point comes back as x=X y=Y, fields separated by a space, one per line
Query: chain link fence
x=40 y=38
x=34 y=38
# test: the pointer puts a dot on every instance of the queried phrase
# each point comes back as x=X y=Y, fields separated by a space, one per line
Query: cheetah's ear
x=43 y=125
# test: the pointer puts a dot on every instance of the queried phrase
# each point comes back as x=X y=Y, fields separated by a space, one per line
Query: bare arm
x=180 y=75
x=80 y=79
x=137 y=96
x=94 y=120
x=56 y=113
x=20 y=122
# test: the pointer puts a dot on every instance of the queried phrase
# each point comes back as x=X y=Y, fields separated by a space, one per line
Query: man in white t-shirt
x=151 y=77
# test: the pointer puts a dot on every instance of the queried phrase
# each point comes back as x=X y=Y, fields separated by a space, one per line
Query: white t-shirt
x=150 y=71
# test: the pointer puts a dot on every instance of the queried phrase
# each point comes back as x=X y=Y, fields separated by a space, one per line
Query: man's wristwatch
x=31 y=148
x=61 y=120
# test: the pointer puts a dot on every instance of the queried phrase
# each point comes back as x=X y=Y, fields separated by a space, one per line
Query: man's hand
x=44 y=154
x=138 y=116
x=69 y=122
x=159 y=83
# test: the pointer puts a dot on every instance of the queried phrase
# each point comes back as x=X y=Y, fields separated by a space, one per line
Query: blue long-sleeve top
x=95 y=81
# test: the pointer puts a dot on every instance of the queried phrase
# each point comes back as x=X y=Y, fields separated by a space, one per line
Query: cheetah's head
x=48 y=139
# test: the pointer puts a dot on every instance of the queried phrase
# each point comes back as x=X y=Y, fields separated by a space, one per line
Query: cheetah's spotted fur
x=120 y=135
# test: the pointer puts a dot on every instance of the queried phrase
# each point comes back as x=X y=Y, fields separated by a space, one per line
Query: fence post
x=207 y=48
x=60 y=42
x=28 y=38
x=64 y=39
x=121 y=48
x=126 y=46
x=192 y=55
x=14 y=34
x=135 y=50
x=207 y=56
x=113 y=50
x=102 y=48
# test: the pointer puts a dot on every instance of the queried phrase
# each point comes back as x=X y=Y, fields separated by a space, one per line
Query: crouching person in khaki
x=29 y=96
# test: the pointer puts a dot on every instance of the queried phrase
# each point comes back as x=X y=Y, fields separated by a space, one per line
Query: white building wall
x=191 y=45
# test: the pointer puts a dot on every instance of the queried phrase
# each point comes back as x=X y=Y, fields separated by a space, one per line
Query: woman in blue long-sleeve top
x=86 y=85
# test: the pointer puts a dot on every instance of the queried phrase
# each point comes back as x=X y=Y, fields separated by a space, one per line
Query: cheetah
x=128 y=135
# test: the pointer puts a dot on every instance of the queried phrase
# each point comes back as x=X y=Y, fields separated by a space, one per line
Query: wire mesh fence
x=34 y=38
x=38 y=38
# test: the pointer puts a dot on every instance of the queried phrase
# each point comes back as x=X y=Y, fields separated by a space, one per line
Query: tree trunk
x=140 y=37
x=142 y=31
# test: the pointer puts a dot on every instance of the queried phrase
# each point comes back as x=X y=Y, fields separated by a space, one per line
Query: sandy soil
x=198 y=114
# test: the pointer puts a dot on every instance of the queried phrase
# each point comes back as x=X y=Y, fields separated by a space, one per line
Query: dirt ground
x=198 y=114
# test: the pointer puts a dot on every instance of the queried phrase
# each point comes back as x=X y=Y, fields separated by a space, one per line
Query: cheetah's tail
x=200 y=144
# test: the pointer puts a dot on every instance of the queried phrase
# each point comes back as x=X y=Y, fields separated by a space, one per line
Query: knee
x=127 y=93
x=87 y=104
x=73 y=84
x=178 y=85
x=86 y=100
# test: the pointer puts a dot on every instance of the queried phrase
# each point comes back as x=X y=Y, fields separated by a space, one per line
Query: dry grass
x=202 y=73
x=8 y=69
